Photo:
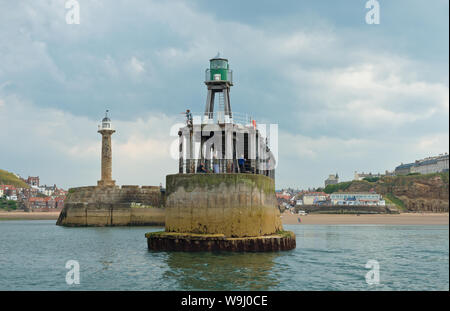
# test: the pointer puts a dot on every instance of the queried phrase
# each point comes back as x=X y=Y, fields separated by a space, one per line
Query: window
x=218 y=64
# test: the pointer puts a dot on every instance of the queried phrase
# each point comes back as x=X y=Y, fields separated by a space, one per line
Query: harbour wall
x=113 y=206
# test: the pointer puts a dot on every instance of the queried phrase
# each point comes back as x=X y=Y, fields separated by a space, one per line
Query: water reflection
x=222 y=271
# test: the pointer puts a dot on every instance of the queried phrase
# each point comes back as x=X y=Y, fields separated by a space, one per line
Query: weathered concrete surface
x=236 y=205
x=170 y=241
x=221 y=212
x=113 y=206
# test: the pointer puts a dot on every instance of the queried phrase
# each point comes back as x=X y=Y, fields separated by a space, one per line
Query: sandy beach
x=376 y=219
x=29 y=216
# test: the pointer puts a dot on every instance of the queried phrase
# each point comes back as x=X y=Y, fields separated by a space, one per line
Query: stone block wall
x=113 y=206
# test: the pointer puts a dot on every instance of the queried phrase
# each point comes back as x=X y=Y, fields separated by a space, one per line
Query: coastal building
x=361 y=176
x=314 y=198
x=283 y=195
x=45 y=202
x=32 y=181
x=47 y=190
x=37 y=202
x=403 y=169
x=436 y=164
x=9 y=190
x=356 y=198
x=59 y=202
x=30 y=192
x=332 y=179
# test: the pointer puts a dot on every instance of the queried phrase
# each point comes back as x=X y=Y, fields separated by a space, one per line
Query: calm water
x=33 y=256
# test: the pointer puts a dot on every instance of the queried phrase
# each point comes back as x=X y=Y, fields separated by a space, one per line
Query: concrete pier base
x=221 y=212
x=172 y=241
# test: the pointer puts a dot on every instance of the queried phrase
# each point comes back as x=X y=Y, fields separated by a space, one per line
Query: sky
x=347 y=96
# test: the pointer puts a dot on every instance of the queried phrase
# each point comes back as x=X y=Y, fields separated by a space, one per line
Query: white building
x=314 y=198
x=12 y=197
x=361 y=176
x=363 y=198
x=428 y=165
x=431 y=165
x=47 y=190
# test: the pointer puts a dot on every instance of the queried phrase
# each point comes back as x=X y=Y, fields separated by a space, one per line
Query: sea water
x=34 y=254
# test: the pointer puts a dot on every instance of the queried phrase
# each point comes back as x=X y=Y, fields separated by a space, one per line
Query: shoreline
x=13 y=215
x=292 y=219
x=367 y=219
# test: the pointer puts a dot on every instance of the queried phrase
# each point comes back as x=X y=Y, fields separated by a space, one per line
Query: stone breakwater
x=230 y=212
x=113 y=206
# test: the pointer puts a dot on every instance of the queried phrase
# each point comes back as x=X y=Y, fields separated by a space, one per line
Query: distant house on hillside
x=8 y=190
x=428 y=165
x=332 y=179
x=32 y=181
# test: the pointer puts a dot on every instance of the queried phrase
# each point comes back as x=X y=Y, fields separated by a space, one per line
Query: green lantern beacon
x=219 y=69
x=218 y=79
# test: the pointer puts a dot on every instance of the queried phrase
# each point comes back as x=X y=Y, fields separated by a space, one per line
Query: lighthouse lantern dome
x=219 y=69
x=106 y=123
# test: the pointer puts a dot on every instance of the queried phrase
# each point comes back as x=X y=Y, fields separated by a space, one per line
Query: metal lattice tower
x=218 y=79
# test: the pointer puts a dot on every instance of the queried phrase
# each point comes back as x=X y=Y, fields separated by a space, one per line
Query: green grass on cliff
x=390 y=198
x=342 y=186
x=7 y=178
x=409 y=179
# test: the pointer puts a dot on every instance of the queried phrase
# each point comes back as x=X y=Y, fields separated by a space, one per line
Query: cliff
x=414 y=193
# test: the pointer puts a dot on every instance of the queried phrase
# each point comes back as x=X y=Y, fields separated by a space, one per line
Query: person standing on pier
x=188 y=117
x=216 y=166
x=241 y=163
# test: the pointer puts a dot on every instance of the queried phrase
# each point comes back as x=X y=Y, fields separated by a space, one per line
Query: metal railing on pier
x=215 y=166
x=219 y=117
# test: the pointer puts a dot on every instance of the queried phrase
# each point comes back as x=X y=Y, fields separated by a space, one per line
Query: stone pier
x=113 y=206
